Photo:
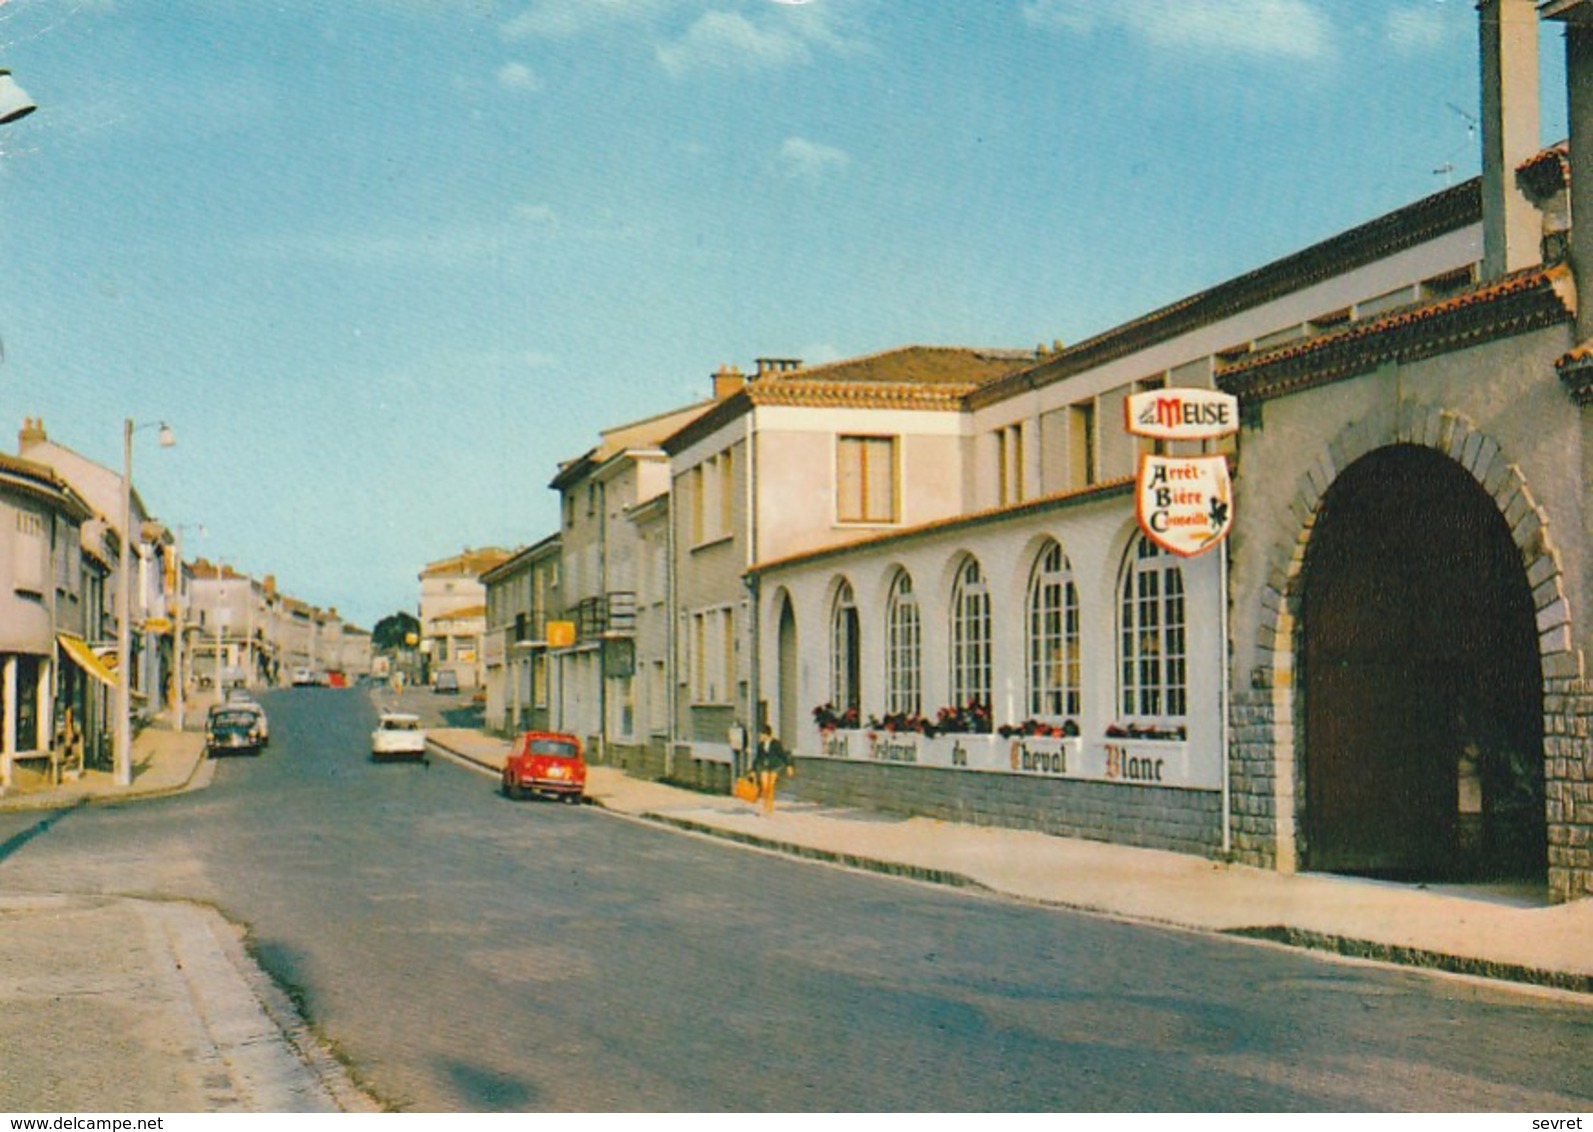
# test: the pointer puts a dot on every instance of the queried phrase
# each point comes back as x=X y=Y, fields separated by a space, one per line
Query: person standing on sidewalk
x=767 y=764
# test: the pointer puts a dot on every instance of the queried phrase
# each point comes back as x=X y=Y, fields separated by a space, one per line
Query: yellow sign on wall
x=561 y=634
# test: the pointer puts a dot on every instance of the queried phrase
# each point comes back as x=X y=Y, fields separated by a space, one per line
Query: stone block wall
x=1183 y=821
x=1252 y=779
x=1568 y=786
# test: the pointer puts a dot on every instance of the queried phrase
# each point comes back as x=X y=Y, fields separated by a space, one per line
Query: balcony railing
x=612 y=614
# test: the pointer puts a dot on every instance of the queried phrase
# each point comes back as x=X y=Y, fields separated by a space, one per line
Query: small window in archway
x=1054 y=663
x=970 y=638
x=845 y=683
x=903 y=655
x=1152 y=657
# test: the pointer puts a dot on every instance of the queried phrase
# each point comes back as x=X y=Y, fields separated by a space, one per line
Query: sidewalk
x=1471 y=931
x=111 y=1004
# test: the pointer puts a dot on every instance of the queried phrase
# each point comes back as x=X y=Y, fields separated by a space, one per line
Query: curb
x=31 y=802
x=1417 y=957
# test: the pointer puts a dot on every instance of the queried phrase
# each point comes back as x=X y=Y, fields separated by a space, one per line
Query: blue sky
x=383 y=263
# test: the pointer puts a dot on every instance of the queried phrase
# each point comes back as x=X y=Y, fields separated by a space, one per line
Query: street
x=464 y=952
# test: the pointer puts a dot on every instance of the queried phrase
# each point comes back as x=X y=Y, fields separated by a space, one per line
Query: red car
x=546 y=763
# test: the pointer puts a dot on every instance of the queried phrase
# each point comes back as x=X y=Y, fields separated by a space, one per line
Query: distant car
x=447 y=681
x=234 y=729
x=545 y=764
x=305 y=678
x=398 y=735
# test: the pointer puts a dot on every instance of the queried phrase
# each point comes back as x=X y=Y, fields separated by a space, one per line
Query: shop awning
x=83 y=656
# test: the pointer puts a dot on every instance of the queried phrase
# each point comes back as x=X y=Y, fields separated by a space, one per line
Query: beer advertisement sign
x=1182 y=414
x=1185 y=503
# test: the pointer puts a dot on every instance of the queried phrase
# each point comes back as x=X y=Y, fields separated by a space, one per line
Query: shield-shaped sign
x=1185 y=503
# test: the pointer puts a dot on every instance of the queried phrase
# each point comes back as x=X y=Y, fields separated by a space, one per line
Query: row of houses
x=925 y=568
x=63 y=547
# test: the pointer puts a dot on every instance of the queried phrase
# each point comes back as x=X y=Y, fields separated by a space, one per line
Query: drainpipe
x=1224 y=705
x=671 y=644
x=754 y=659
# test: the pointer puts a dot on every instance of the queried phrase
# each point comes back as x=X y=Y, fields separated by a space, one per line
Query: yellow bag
x=746 y=789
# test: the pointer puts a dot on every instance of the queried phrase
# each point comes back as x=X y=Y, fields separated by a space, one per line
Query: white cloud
x=1421 y=29
x=518 y=77
x=803 y=158
x=730 y=40
x=537 y=215
x=1284 y=29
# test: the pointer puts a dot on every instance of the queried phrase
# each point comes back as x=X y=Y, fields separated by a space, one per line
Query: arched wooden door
x=1422 y=689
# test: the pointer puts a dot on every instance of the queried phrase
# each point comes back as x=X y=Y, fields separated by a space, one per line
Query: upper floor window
x=1009 y=464
x=712 y=498
x=865 y=479
x=903 y=650
x=970 y=638
x=1152 y=653
x=1053 y=634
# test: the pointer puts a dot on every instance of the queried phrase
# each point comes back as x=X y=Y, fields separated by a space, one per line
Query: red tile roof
x=1526 y=300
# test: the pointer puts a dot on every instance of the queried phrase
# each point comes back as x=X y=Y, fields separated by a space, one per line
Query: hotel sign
x=1184 y=503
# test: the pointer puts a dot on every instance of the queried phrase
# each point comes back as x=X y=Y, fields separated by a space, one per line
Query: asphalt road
x=465 y=952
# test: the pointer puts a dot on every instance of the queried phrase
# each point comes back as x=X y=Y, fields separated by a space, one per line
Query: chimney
x=32 y=433
x=1512 y=230
x=1578 y=18
x=767 y=366
x=728 y=381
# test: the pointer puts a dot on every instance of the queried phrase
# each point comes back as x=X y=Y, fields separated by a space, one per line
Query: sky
x=382 y=264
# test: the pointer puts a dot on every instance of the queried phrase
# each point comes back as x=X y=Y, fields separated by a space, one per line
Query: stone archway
x=1422 y=695
x=1271 y=716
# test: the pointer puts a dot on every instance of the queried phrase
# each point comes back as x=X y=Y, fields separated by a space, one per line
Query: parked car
x=546 y=764
x=447 y=681
x=241 y=699
x=398 y=735
x=233 y=729
x=305 y=678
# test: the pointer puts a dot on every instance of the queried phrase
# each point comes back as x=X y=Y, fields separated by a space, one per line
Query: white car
x=305 y=678
x=398 y=735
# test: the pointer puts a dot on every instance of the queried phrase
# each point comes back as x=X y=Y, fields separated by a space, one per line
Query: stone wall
x=1253 y=779
x=1183 y=821
x=1568 y=786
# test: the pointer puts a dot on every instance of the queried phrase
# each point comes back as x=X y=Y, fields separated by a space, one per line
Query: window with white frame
x=970 y=638
x=903 y=649
x=713 y=656
x=1054 y=665
x=1151 y=636
x=845 y=679
x=865 y=479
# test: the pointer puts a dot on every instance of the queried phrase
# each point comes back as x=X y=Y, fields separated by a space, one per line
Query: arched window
x=1053 y=637
x=903 y=650
x=1151 y=641
x=970 y=638
x=845 y=686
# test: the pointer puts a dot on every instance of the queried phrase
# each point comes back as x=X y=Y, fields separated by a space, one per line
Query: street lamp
x=14 y=101
x=124 y=606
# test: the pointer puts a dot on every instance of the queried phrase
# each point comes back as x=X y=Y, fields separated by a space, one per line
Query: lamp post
x=124 y=606
x=14 y=101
